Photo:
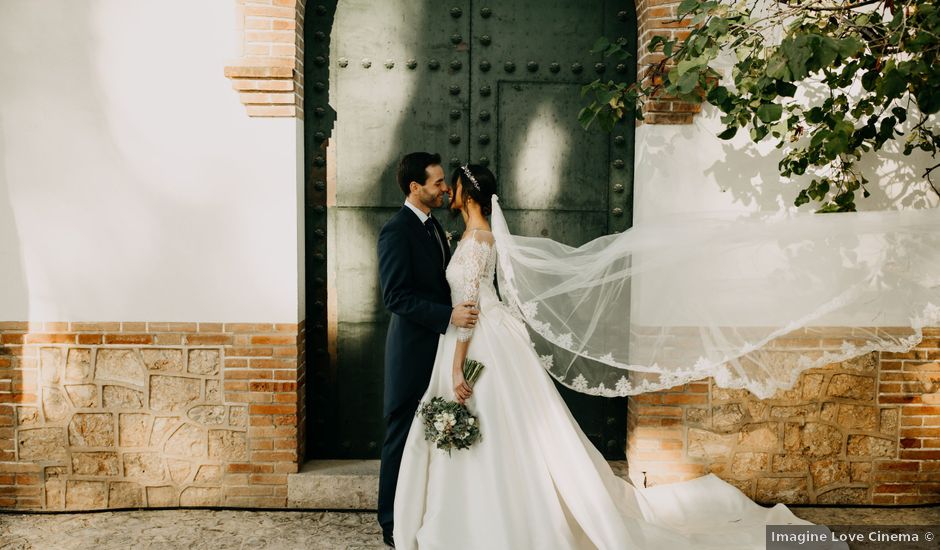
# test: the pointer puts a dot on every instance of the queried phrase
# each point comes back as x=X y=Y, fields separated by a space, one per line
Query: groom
x=413 y=255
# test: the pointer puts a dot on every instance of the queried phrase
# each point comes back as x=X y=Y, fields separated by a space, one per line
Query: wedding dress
x=534 y=480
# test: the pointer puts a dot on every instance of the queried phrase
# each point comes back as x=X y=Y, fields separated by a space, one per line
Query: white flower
x=623 y=385
x=439 y=426
x=450 y=237
x=471 y=420
x=579 y=383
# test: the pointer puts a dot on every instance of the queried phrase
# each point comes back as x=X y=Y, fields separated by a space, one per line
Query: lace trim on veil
x=702 y=368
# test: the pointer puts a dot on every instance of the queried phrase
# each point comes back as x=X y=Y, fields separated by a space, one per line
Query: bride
x=534 y=480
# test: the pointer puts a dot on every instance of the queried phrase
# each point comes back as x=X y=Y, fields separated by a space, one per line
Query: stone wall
x=117 y=415
x=866 y=431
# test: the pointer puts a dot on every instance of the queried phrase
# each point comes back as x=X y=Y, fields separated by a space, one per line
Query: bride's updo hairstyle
x=482 y=191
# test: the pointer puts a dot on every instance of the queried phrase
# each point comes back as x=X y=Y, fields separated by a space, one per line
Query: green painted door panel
x=491 y=83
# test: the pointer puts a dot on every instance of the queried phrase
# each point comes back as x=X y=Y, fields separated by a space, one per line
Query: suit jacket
x=415 y=291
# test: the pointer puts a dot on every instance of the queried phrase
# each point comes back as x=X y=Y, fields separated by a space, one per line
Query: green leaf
x=801 y=199
x=797 y=52
x=587 y=116
x=686 y=6
x=836 y=144
x=825 y=51
x=590 y=87
x=892 y=83
x=845 y=199
x=728 y=133
x=718 y=96
x=686 y=64
x=814 y=115
x=667 y=48
x=601 y=45
x=900 y=113
x=687 y=82
x=849 y=47
x=799 y=168
x=819 y=137
x=928 y=100
x=759 y=132
x=719 y=26
x=769 y=112
x=656 y=41
x=605 y=97
x=785 y=89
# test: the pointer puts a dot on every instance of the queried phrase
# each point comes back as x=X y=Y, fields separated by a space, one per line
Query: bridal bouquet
x=448 y=424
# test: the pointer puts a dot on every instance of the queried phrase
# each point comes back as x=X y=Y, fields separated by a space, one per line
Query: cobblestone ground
x=285 y=530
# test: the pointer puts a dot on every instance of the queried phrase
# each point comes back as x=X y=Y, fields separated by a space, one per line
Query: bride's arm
x=462 y=389
x=474 y=271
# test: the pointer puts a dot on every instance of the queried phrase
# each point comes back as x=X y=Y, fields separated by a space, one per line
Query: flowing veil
x=752 y=301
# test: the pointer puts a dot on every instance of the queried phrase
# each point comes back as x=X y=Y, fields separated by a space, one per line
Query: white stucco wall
x=686 y=169
x=133 y=186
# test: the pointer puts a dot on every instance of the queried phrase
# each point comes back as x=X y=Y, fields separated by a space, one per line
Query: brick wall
x=269 y=75
x=115 y=415
x=658 y=18
x=866 y=431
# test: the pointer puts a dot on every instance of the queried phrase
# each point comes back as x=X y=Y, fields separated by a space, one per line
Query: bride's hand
x=462 y=390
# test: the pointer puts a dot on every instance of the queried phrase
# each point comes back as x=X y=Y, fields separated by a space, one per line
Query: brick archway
x=269 y=74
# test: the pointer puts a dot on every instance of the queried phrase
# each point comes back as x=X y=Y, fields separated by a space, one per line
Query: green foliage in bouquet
x=448 y=424
x=864 y=67
x=472 y=370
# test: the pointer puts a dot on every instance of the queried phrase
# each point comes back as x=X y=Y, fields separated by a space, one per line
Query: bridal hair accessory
x=473 y=180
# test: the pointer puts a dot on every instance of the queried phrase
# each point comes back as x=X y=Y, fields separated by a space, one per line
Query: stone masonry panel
x=864 y=431
x=125 y=415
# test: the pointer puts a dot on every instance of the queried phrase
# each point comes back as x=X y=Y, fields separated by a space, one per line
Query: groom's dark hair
x=414 y=167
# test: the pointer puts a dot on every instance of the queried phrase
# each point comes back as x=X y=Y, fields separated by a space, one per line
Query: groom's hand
x=465 y=315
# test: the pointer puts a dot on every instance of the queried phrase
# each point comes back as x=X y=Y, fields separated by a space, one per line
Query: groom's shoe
x=388 y=539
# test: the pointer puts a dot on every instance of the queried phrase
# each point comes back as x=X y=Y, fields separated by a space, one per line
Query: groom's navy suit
x=414 y=289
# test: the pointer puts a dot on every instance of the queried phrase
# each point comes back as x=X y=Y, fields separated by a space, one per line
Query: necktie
x=429 y=225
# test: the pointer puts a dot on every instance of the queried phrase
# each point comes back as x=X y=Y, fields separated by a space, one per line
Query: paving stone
x=291 y=530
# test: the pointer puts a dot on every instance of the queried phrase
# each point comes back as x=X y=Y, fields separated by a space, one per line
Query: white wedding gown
x=534 y=480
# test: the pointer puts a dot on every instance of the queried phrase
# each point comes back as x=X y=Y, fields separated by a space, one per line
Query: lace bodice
x=470 y=272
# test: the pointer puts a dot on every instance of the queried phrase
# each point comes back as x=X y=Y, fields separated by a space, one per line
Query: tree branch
x=834 y=8
x=927 y=177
